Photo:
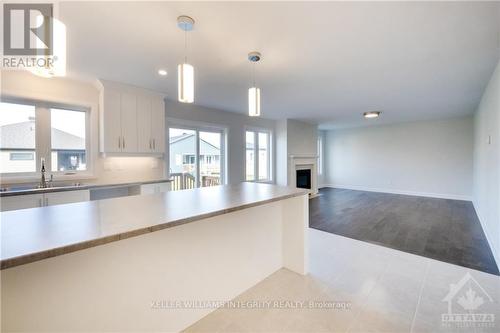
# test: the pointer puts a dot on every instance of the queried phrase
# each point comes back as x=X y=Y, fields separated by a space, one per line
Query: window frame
x=43 y=141
x=256 y=131
x=198 y=127
x=320 y=154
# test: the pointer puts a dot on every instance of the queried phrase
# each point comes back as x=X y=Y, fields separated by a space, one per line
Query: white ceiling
x=323 y=62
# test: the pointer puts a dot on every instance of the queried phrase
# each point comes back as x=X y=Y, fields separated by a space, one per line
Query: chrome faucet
x=43 y=182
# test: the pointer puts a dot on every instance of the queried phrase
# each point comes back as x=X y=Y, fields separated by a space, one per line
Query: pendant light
x=185 y=71
x=254 y=92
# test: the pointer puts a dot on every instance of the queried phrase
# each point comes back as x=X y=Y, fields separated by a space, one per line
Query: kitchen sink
x=32 y=187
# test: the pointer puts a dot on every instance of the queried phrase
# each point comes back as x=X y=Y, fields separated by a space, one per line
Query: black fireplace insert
x=304 y=178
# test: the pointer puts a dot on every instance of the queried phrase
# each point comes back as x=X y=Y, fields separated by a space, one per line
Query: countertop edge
x=80 y=187
x=46 y=254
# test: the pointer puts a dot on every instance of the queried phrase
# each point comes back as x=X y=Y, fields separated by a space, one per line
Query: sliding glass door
x=210 y=158
x=182 y=162
x=196 y=157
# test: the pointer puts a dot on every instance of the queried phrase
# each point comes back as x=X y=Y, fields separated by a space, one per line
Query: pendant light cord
x=253 y=74
x=185 y=46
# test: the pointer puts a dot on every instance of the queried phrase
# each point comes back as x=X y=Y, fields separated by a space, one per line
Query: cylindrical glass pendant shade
x=254 y=102
x=185 y=83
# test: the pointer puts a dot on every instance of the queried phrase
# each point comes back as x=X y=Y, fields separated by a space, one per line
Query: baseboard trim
x=496 y=255
x=413 y=193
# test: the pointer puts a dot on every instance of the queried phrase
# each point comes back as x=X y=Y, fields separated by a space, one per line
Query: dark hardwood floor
x=442 y=229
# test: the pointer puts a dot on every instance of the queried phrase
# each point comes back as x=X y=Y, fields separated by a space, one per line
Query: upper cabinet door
x=144 y=136
x=110 y=121
x=132 y=120
x=158 y=125
x=129 y=122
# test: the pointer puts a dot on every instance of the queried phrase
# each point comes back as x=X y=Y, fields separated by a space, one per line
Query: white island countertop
x=34 y=234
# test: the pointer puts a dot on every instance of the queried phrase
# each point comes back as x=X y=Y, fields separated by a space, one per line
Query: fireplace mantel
x=300 y=162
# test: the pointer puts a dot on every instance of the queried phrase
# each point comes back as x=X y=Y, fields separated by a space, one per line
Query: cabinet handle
x=123 y=139
x=154 y=144
x=119 y=142
x=149 y=144
x=46 y=201
x=40 y=202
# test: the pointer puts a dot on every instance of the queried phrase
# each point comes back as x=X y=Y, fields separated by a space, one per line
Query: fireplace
x=303 y=178
x=303 y=173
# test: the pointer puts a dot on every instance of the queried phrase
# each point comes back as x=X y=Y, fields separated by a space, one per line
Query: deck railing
x=184 y=181
x=210 y=181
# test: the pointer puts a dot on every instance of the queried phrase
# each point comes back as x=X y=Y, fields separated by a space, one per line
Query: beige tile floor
x=387 y=290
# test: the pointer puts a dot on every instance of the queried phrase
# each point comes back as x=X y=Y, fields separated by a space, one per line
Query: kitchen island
x=106 y=265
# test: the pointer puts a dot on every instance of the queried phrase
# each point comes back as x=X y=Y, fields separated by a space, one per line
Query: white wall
x=431 y=158
x=62 y=90
x=302 y=138
x=235 y=123
x=487 y=163
x=294 y=137
x=281 y=153
x=322 y=177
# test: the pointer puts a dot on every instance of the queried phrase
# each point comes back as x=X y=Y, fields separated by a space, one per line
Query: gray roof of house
x=22 y=136
x=184 y=136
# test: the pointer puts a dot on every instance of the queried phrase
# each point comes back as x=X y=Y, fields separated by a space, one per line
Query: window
x=320 y=154
x=263 y=149
x=68 y=142
x=22 y=156
x=250 y=155
x=258 y=156
x=17 y=130
x=21 y=151
x=202 y=152
x=188 y=160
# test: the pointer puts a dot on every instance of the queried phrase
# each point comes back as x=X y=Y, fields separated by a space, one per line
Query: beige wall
x=22 y=84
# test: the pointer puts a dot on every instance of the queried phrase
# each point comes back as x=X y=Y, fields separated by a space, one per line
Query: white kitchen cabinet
x=144 y=123
x=132 y=120
x=151 y=124
x=155 y=188
x=158 y=125
x=110 y=121
x=65 y=197
x=21 y=202
x=24 y=201
x=129 y=122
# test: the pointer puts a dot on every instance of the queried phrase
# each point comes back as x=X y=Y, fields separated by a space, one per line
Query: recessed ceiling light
x=372 y=114
x=162 y=72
